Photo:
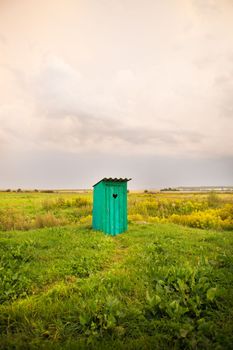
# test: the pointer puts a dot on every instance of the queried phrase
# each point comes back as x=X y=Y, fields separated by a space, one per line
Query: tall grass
x=154 y=287
x=53 y=211
x=13 y=219
x=209 y=212
x=201 y=211
x=48 y=220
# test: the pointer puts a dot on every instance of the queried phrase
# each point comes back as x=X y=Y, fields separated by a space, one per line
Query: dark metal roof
x=111 y=179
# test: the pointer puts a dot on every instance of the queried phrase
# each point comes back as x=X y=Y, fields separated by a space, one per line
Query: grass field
x=166 y=283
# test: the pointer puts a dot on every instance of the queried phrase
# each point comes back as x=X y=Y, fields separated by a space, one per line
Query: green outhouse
x=110 y=206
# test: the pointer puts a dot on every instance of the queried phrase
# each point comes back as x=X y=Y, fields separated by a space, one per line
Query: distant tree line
x=28 y=191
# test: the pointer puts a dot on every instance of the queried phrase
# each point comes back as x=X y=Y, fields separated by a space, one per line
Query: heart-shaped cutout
x=114 y=195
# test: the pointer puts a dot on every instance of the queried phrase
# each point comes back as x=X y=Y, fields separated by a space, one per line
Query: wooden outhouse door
x=115 y=208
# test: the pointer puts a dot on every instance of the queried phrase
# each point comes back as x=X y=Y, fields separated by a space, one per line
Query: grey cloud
x=222 y=80
x=86 y=129
x=3 y=39
x=231 y=56
x=74 y=112
x=77 y=113
x=124 y=82
x=158 y=102
x=226 y=107
x=207 y=5
x=224 y=84
x=204 y=62
x=18 y=74
x=227 y=111
x=59 y=90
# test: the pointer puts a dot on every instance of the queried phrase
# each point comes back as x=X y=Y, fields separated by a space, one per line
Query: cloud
x=206 y=5
x=126 y=95
x=212 y=7
x=85 y=133
x=103 y=78
x=126 y=114
x=3 y=39
x=76 y=114
x=224 y=87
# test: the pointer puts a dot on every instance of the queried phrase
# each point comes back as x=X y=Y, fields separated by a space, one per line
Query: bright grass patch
x=157 y=286
x=154 y=287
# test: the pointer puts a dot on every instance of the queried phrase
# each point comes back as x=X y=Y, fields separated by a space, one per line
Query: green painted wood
x=110 y=207
x=98 y=207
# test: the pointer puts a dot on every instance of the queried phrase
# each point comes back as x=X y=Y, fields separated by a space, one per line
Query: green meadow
x=165 y=283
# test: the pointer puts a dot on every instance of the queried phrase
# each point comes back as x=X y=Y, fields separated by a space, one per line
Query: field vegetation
x=206 y=210
x=23 y=211
x=166 y=283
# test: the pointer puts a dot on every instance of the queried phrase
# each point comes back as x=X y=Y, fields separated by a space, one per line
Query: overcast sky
x=130 y=88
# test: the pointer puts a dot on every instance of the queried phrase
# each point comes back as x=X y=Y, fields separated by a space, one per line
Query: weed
x=160 y=285
x=47 y=220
